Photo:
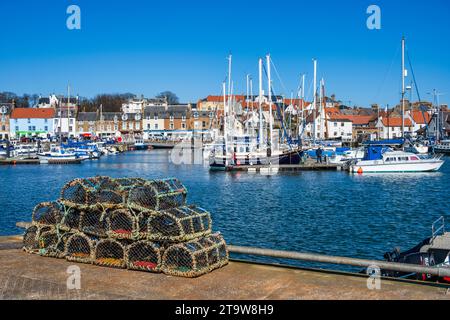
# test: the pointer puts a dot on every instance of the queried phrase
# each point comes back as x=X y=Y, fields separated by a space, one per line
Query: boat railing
x=438 y=227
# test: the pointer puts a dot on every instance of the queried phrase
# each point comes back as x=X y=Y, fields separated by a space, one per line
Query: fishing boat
x=381 y=159
x=432 y=252
x=57 y=153
x=24 y=151
x=140 y=145
x=443 y=147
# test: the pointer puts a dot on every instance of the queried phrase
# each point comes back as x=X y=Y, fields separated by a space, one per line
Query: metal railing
x=437 y=229
x=312 y=257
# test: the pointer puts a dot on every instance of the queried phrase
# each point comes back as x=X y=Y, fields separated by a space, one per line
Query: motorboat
x=432 y=252
x=443 y=147
x=382 y=159
x=24 y=151
x=140 y=145
x=354 y=154
x=57 y=153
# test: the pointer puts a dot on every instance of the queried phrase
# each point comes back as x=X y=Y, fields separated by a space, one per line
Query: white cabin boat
x=397 y=161
x=57 y=153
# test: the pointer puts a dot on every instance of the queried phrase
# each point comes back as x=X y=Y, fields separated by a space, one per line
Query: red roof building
x=33 y=113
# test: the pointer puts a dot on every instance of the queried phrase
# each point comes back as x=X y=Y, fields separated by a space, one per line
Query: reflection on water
x=325 y=212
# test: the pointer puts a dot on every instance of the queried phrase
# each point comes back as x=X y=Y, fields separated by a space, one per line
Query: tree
x=169 y=96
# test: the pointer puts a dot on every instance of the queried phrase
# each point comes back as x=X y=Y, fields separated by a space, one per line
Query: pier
x=27 y=276
x=37 y=161
x=308 y=166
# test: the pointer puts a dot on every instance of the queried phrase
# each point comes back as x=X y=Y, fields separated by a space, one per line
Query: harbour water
x=332 y=213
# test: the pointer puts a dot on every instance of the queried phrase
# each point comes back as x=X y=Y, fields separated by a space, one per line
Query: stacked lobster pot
x=127 y=223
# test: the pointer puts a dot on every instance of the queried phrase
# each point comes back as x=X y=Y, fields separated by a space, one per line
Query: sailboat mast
x=269 y=88
x=403 y=87
x=68 y=108
x=225 y=129
x=302 y=98
x=261 y=136
x=321 y=109
x=314 y=100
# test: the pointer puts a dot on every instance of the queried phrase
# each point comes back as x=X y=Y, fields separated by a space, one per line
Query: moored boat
x=57 y=153
x=443 y=147
x=385 y=160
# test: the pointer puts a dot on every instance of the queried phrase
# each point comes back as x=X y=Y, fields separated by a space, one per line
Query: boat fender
x=360 y=170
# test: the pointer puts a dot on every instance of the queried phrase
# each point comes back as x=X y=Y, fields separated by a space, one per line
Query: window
x=156 y=126
x=17 y=128
x=30 y=128
x=196 y=115
x=29 y=121
x=183 y=118
x=124 y=125
x=342 y=124
x=414 y=158
x=148 y=126
x=116 y=127
x=71 y=121
x=171 y=118
x=138 y=126
x=335 y=134
x=171 y=126
x=45 y=120
x=155 y=117
x=203 y=124
x=183 y=125
x=3 y=128
x=335 y=124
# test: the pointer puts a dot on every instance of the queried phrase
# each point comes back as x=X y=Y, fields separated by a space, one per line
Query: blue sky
x=146 y=47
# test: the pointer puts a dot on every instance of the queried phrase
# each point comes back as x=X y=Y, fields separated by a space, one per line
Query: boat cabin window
x=390 y=159
x=414 y=158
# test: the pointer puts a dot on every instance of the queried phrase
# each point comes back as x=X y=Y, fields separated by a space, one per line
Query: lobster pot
x=179 y=224
x=143 y=219
x=128 y=183
x=105 y=198
x=89 y=191
x=31 y=238
x=47 y=242
x=48 y=213
x=157 y=195
x=93 y=222
x=80 y=248
x=196 y=257
x=144 y=255
x=110 y=253
x=53 y=244
x=71 y=219
x=121 y=224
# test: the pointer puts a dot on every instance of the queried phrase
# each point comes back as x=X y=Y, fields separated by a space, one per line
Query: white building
x=391 y=128
x=134 y=106
x=50 y=102
x=339 y=129
x=64 y=123
x=419 y=119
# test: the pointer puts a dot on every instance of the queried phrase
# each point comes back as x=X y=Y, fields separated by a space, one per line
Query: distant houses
x=156 y=119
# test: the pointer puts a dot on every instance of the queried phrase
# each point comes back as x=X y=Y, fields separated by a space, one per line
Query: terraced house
x=5 y=110
x=31 y=122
